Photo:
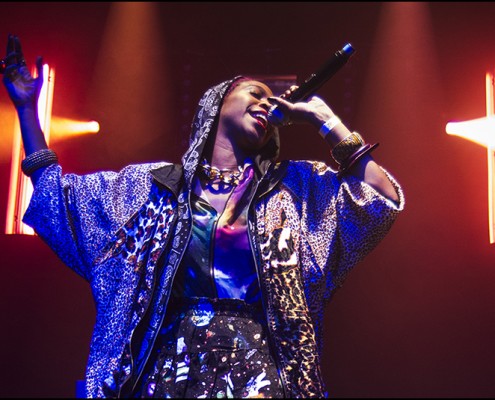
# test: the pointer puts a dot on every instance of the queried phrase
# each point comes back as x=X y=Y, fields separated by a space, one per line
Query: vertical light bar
x=491 y=158
x=21 y=188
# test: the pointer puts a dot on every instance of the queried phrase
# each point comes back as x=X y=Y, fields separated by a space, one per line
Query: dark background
x=416 y=318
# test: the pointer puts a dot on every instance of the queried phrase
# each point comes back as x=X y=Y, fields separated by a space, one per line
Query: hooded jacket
x=125 y=232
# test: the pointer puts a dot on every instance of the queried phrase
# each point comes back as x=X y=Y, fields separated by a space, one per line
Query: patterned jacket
x=125 y=233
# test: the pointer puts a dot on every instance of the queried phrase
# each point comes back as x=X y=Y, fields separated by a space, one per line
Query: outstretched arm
x=24 y=91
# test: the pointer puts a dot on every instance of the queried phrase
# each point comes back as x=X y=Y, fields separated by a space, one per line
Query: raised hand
x=21 y=86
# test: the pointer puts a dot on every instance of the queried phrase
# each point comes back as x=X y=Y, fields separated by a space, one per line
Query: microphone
x=314 y=82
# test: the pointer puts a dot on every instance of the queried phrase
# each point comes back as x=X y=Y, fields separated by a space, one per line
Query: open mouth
x=261 y=117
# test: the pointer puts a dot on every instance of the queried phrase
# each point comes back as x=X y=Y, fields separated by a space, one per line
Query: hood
x=204 y=125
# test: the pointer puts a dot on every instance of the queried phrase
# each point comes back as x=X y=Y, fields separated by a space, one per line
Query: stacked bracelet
x=357 y=155
x=328 y=126
x=38 y=159
x=346 y=147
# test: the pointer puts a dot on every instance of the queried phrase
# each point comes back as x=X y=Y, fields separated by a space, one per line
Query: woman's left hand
x=23 y=89
x=313 y=111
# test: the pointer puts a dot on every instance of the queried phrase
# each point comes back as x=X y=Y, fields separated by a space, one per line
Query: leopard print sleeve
x=342 y=220
x=76 y=215
x=364 y=218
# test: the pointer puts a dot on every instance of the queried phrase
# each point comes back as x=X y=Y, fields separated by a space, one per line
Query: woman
x=210 y=276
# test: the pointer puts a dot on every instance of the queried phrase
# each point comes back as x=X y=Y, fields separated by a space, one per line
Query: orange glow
x=64 y=127
x=21 y=188
x=133 y=28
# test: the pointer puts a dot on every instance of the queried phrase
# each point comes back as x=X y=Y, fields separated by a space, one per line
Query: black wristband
x=38 y=159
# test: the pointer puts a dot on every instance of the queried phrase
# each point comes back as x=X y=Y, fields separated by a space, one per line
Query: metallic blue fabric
x=231 y=276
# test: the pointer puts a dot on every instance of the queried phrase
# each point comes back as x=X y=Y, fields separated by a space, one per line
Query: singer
x=210 y=275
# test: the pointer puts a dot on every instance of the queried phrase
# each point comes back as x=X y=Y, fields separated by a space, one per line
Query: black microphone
x=314 y=82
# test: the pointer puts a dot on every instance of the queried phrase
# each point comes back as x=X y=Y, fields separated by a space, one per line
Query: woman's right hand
x=22 y=87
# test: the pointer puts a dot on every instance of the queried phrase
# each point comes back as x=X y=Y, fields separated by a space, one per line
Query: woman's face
x=243 y=117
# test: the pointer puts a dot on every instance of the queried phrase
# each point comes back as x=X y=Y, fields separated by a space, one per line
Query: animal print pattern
x=288 y=311
x=309 y=231
x=140 y=243
x=313 y=230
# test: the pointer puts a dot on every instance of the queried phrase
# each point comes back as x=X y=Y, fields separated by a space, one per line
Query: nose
x=265 y=104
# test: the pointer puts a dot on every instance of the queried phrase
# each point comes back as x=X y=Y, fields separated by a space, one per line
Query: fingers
x=281 y=102
x=40 y=73
x=14 y=52
x=289 y=91
x=278 y=115
x=39 y=66
x=10 y=44
x=13 y=60
x=17 y=46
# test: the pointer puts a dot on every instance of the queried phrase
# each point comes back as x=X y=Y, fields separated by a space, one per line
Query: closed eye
x=256 y=94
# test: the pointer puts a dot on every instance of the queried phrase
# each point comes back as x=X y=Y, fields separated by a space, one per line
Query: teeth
x=261 y=116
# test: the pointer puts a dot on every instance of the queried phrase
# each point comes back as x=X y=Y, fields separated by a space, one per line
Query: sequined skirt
x=213 y=348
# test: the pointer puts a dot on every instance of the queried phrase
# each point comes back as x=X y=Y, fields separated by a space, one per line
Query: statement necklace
x=226 y=176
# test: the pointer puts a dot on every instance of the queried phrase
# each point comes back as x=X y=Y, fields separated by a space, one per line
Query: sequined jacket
x=125 y=233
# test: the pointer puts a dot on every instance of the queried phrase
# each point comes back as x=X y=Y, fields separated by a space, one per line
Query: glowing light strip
x=482 y=131
x=14 y=187
x=21 y=188
x=490 y=157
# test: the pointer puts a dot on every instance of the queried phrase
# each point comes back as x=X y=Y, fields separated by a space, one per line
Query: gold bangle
x=347 y=146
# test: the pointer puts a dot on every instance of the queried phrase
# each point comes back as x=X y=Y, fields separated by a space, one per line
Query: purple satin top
x=218 y=262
